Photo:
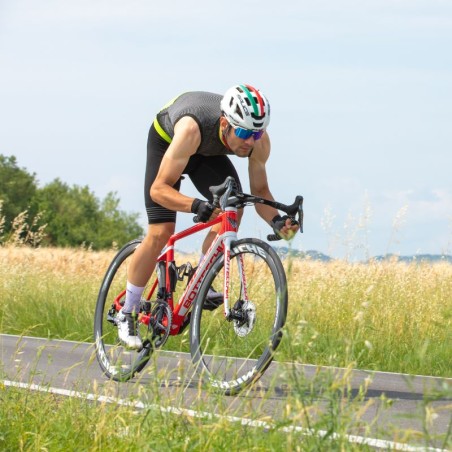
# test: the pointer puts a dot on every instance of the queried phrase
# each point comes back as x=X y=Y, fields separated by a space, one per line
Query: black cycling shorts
x=203 y=172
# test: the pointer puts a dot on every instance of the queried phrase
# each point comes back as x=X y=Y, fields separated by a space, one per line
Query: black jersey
x=205 y=109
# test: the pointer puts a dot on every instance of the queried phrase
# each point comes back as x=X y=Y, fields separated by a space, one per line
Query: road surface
x=169 y=380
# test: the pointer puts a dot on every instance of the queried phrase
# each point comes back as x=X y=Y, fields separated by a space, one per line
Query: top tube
x=196 y=228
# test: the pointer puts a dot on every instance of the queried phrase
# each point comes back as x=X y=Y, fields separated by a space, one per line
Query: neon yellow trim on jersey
x=161 y=132
x=171 y=102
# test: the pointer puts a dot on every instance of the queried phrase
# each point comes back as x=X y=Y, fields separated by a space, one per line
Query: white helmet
x=246 y=107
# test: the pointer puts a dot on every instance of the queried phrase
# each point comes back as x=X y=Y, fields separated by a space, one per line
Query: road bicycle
x=232 y=342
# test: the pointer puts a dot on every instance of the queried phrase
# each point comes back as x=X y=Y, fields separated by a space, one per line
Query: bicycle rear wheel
x=117 y=361
x=233 y=354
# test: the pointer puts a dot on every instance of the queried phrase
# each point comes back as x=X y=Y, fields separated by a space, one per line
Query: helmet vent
x=238 y=111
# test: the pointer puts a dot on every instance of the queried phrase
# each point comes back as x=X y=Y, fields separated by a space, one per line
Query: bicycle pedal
x=111 y=315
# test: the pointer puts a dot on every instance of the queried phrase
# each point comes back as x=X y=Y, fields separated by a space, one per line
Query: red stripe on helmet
x=259 y=97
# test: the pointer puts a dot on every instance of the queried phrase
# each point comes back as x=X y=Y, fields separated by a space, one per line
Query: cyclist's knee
x=159 y=233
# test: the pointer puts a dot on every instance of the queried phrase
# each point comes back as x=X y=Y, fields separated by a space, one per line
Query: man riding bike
x=193 y=135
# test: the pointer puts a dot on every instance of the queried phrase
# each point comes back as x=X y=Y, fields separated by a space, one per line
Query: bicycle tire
x=116 y=361
x=228 y=355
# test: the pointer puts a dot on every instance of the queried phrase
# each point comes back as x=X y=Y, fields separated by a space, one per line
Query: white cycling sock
x=133 y=297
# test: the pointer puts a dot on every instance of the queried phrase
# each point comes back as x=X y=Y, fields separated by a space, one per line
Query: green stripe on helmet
x=251 y=98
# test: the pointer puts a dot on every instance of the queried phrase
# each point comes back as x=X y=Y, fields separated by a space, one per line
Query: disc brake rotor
x=244 y=327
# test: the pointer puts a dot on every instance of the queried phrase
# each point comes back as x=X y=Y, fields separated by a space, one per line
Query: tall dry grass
x=50 y=292
x=24 y=230
x=384 y=315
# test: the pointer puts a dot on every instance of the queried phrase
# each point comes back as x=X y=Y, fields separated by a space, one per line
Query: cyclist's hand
x=203 y=210
x=285 y=226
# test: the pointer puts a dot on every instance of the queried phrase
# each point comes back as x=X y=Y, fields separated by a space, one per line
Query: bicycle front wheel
x=117 y=361
x=232 y=354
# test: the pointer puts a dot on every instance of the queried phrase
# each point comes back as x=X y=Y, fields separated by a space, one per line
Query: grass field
x=386 y=316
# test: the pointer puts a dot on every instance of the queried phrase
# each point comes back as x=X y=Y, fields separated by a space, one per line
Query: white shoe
x=127 y=330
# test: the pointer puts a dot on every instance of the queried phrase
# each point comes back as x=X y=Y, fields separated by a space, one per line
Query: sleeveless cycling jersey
x=205 y=109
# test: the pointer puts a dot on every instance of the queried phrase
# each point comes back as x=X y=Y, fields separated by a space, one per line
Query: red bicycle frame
x=221 y=244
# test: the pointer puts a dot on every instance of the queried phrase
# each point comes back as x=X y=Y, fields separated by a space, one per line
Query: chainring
x=160 y=323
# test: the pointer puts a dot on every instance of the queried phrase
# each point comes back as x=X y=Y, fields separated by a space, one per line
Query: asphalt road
x=169 y=380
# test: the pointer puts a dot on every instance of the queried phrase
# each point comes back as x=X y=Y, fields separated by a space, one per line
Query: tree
x=70 y=213
x=74 y=216
x=17 y=190
x=116 y=225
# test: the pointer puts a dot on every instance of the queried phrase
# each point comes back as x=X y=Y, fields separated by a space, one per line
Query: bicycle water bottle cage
x=185 y=270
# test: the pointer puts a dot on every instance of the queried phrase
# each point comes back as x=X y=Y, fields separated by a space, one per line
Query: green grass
x=386 y=316
x=382 y=316
x=103 y=427
x=32 y=421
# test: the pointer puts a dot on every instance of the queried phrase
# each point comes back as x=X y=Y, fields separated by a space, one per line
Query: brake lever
x=300 y=214
x=295 y=210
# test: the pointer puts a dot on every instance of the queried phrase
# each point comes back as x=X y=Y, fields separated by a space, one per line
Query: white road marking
x=372 y=442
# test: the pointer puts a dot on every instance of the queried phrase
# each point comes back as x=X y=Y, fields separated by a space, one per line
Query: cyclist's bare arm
x=258 y=177
x=186 y=140
x=259 y=184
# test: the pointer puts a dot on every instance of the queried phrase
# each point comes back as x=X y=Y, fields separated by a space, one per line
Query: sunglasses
x=244 y=134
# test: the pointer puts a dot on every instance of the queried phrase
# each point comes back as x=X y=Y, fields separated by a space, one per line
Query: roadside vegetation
x=319 y=413
x=58 y=214
x=386 y=316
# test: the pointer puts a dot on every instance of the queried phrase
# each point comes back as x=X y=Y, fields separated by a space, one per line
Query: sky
x=360 y=91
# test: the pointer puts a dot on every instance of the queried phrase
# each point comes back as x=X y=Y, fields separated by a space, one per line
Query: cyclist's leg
x=145 y=256
x=161 y=226
x=140 y=270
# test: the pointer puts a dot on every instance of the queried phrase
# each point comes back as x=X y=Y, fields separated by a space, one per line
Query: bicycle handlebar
x=227 y=194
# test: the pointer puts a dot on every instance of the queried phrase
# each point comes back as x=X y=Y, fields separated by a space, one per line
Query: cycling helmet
x=246 y=107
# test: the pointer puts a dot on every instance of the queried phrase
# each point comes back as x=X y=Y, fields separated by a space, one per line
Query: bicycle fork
x=235 y=313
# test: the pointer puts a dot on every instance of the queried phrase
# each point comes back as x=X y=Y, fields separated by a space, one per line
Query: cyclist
x=193 y=135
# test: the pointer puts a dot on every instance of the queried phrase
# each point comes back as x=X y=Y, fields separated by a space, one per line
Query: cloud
x=424 y=205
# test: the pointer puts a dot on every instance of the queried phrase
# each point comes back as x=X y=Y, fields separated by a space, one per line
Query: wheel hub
x=244 y=318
